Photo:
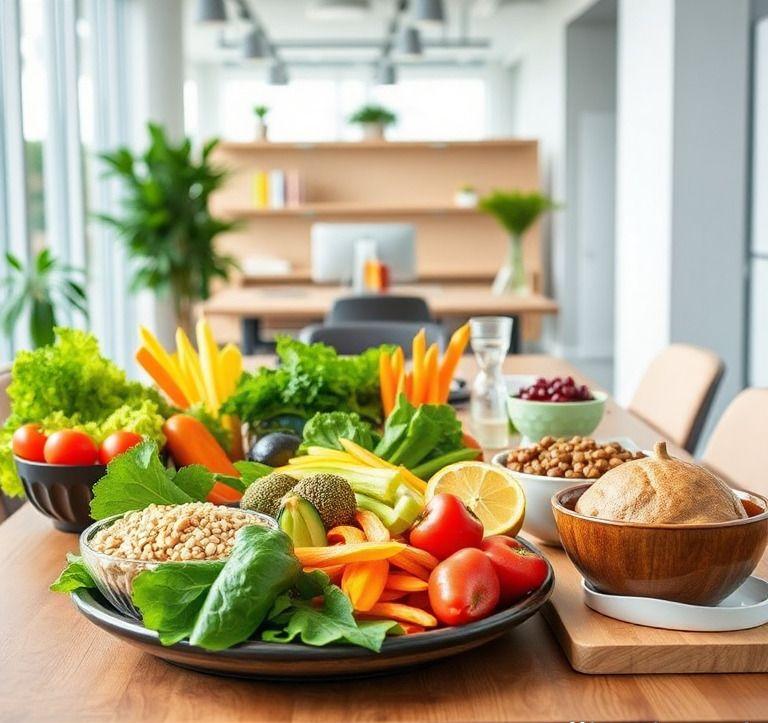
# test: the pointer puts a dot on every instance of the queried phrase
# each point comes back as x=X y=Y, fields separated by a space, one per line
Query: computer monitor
x=333 y=249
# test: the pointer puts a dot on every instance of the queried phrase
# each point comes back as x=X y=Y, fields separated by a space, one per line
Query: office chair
x=352 y=338
x=378 y=307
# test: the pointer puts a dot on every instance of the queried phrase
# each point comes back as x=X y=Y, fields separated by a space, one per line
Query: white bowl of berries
x=557 y=407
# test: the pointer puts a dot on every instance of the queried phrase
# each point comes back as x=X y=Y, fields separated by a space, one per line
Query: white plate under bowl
x=745 y=608
x=539 y=521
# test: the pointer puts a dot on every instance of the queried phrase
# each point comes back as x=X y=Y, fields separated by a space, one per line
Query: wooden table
x=305 y=303
x=56 y=665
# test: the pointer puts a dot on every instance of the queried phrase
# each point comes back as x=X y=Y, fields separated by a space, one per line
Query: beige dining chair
x=738 y=447
x=676 y=392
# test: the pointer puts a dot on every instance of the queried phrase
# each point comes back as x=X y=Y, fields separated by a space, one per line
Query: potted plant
x=38 y=291
x=260 y=111
x=516 y=211
x=465 y=196
x=167 y=225
x=373 y=119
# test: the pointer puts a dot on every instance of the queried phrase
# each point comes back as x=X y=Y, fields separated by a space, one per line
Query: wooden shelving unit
x=411 y=182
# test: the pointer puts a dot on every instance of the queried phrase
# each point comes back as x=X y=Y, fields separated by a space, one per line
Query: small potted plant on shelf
x=516 y=211
x=373 y=119
x=260 y=111
x=465 y=196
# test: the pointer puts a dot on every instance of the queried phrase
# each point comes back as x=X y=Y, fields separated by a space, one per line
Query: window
x=317 y=109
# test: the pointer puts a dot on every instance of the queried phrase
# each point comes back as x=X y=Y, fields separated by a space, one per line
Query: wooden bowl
x=696 y=564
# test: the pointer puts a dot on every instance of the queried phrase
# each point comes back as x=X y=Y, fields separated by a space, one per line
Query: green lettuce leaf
x=333 y=622
x=133 y=481
x=251 y=471
x=261 y=567
x=196 y=480
x=326 y=428
x=310 y=378
x=75 y=576
x=170 y=596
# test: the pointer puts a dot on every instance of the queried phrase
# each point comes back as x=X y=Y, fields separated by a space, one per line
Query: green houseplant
x=373 y=119
x=260 y=111
x=166 y=223
x=38 y=291
x=516 y=211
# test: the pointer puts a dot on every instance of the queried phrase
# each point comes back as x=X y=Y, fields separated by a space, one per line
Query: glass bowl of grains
x=116 y=549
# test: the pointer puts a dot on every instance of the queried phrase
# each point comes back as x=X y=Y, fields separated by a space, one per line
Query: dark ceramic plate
x=290 y=661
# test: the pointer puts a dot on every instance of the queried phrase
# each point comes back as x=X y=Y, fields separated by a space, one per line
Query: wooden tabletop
x=312 y=301
x=54 y=664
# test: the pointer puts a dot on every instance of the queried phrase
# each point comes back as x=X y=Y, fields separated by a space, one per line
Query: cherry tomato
x=445 y=526
x=70 y=447
x=117 y=443
x=519 y=570
x=28 y=443
x=463 y=588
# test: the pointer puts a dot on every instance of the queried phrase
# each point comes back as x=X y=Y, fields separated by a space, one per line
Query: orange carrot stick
x=363 y=582
x=422 y=557
x=408 y=386
x=411 y=628
x=372 y=526
x=343 y=554
x=406 y=613
x=419 y=377
x=407 y=564
x=161 y=377
x=405 y=583
x=386 y=382
x=431 y=374
x=391 y=595
x=345 y=534
x=453 y=354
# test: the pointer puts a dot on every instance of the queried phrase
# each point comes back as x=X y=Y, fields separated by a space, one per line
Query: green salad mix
x=70 y=385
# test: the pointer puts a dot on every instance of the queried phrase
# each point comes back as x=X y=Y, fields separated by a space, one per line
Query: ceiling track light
x=386 y=74
x=211 y=12
x=429 y=12
x=277 y=74
x=409 y=42
x=256 y=46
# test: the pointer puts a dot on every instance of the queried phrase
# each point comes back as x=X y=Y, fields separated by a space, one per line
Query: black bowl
x=61 y=492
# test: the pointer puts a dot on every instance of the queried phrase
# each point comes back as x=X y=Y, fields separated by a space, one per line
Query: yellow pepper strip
x=363 y=583
x=209 y=364
x=164 y=359
x=406 y=613
x=230 y=370
x=343 y=554
x=369 y=458
x=190 y=366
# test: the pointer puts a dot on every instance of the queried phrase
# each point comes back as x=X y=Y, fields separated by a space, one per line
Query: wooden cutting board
x=597 y=644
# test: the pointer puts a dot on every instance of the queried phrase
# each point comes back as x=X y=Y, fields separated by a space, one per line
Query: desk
x=57 y=666
x=306 y=303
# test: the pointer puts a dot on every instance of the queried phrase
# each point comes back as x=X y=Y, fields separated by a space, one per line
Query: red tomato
x=70 y=447
x=117 y=443
x=463 y=588
x=519 y=570
x=446 y=526
x=28 y=443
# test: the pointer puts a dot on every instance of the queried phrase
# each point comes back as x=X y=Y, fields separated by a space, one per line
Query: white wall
x=682 y=166
x=644 y=186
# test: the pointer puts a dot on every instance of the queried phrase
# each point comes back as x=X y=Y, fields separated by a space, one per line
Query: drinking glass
x=490 y=337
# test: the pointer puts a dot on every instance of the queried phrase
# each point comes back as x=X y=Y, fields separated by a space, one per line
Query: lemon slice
x=491 y=492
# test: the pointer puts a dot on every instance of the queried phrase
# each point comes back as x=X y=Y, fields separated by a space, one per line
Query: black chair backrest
x=378 y=307
x=355 y=338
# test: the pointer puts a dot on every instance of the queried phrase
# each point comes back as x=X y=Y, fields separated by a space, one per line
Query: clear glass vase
x=511 y=277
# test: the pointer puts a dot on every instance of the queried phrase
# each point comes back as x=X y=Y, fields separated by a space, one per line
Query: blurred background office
x=644 y=121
